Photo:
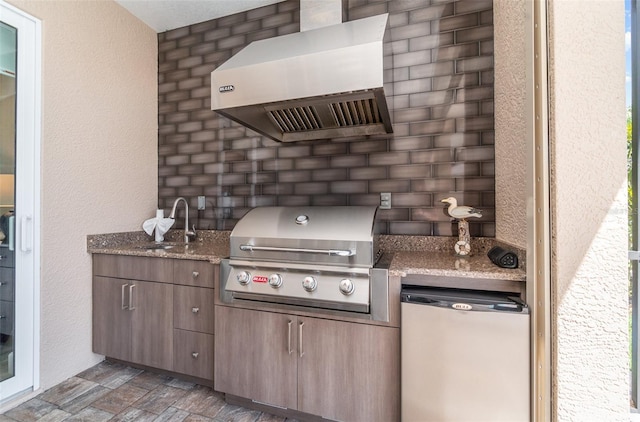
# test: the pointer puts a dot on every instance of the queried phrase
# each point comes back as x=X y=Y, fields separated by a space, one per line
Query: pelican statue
x=461 y=212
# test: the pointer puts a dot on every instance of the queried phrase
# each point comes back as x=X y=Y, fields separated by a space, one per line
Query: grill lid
x=331 y=235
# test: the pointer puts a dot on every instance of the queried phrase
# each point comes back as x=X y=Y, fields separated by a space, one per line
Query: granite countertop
x=212 y=246
x=445 y=264
x=409 y=255
x=434 y=256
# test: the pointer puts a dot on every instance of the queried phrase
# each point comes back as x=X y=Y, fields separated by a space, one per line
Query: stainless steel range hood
x=316 y=84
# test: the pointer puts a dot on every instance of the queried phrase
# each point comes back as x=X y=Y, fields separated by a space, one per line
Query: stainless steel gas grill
x=318 y=257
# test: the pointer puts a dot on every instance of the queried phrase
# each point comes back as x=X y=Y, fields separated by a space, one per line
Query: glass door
x=19 y=199
x=8 y=52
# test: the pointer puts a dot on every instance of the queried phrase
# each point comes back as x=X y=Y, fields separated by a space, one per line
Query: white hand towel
x=159 y=224
x=163 y=226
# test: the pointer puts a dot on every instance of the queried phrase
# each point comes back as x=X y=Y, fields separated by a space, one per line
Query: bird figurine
x=461 y=212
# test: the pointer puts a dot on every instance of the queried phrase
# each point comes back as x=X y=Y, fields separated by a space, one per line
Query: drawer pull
x=195 y=355
x=131 y=307
x=124 y=307
x=195 y=310
x=3 y=317
x=195 y=274
x=300 y=339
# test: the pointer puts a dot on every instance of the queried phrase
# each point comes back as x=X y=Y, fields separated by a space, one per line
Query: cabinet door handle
x=195 y=355
x=300 y=338
x=289 y=337
x=124 y=307
x=131 y=307
x=195 y=310
x=195 y=274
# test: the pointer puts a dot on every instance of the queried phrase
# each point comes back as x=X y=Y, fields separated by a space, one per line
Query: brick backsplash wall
x=440 y=95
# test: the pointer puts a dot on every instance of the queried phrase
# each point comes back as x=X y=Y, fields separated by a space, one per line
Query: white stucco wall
x=510 y=124
x=589 y=211
x=99 y=174
x=589 y=319
x=99 y=158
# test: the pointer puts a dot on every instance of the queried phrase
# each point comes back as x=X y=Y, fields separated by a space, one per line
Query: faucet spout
x=188 y=234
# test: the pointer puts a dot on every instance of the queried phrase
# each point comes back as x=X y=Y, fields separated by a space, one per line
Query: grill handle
x=330 y=252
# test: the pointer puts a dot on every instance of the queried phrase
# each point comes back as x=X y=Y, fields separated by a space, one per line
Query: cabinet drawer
x=193 y=354
x=133 y=267
x=6 y=317
x=7 y=258
x=193 y=308
x=193 y=273
x=6 y=284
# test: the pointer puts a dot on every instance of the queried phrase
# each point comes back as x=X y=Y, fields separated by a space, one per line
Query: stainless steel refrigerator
x=465 y=356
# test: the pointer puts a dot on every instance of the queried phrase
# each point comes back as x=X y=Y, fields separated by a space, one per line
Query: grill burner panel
x=292 y=288
x=319 y=257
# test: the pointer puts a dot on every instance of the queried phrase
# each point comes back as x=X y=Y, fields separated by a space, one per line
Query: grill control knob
x=244 y=277
x=309 y=283
x=346 y=286
x=275 y=280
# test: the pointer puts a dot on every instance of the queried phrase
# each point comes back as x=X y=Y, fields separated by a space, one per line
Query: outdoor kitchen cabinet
x=193 y=298
x=171 y=324
x=133 y=321
x=256 y=356
x=338 y=370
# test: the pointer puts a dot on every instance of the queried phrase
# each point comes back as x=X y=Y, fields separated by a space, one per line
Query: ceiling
x=164 y=15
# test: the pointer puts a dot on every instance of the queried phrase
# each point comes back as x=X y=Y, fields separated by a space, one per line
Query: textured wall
x=440 y=91
x=510 y=124
x=589 y=211
x=99 y=165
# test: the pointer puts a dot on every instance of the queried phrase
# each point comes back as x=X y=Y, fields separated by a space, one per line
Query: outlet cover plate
x=385 y=200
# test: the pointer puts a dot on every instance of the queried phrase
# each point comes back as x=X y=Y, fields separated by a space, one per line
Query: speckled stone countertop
x=435 y=256
x=411 y=255
x=449 y=265
x=210 y=245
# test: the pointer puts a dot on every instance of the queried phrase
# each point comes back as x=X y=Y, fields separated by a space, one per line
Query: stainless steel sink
x=160 y=246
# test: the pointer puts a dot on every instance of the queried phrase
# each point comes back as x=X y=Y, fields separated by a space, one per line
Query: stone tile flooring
x=115 y=392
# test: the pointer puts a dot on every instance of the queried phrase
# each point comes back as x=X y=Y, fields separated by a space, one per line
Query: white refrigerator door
x=464 y=366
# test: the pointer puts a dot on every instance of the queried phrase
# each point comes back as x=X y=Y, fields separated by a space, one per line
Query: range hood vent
x=317 y=84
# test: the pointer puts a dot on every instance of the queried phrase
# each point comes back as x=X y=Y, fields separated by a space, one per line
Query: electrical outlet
x=385 y=201
x=201 y=202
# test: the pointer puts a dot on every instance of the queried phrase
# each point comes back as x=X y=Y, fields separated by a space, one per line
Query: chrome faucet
x=188 y=234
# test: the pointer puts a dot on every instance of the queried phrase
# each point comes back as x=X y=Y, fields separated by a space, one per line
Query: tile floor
x=114 y=392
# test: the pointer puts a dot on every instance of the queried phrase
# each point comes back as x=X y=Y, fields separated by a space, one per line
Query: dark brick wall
x=440 y=94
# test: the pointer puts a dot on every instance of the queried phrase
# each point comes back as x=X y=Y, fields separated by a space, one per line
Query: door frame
x=635 y=184
x=538 y=210
x=28 y=179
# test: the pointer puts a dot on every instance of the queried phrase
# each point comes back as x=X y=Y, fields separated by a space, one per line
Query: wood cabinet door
x=152 y=324
x=111 y=323
x=349 y=372
x=255 y=355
